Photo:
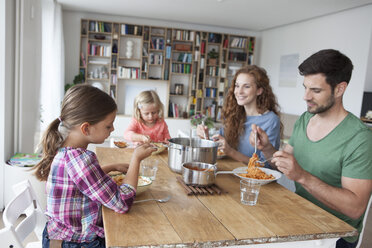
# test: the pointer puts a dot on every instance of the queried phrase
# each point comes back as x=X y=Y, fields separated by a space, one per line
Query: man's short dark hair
x=335 y=66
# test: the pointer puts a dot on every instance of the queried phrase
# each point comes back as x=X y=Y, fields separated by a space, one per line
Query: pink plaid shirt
x=76 y=189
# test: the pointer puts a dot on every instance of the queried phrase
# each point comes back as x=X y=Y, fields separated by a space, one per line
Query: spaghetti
x=254 y=172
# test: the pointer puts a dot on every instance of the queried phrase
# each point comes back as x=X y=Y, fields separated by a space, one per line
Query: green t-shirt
x=345 y=151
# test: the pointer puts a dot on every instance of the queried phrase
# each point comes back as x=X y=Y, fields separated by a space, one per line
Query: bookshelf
x=114 y=55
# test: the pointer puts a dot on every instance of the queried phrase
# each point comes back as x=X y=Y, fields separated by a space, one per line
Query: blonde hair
x=144 y=98
x=82 y=103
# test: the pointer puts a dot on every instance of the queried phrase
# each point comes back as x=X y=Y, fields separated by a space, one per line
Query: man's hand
x=286 y=163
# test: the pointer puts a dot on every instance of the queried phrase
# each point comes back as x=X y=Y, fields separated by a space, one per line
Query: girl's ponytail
x=82 y=103
x=52 y=140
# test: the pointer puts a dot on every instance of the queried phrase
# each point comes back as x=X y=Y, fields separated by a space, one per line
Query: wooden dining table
x=280 y=218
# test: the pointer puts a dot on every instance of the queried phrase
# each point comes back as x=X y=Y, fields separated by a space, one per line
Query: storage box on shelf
x=114 y=54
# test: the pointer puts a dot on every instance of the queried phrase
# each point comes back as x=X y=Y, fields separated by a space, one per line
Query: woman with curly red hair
x=250 y=100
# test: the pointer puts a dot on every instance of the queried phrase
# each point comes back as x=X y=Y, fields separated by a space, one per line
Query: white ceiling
x=253 y=15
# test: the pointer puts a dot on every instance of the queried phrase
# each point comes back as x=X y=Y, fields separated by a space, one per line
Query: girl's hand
x=200 y=129
x=145 y=138
x=143 y=151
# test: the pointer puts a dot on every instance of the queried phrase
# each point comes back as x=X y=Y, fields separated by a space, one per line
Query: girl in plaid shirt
x=77 y=186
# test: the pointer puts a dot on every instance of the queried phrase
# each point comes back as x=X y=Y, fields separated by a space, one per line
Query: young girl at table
x=148 y=122
x=76 y=185
x=250 y=100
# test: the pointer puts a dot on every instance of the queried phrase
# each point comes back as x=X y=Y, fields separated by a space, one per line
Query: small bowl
x=120 y=144
x=144 y=183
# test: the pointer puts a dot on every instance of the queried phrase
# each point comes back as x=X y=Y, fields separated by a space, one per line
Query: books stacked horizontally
x=25 y=159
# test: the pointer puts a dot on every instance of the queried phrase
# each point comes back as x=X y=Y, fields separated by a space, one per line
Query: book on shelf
x=25 y=159
x=83 y=62
x=168 y=52
x=202 y=47
x=221 y=87
x=202 y=63
x=144 y=51
x=197 y=41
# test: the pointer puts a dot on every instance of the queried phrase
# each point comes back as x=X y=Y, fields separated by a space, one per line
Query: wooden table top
x=214 y=220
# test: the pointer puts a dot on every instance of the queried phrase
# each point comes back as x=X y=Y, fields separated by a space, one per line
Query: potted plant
x=77 y=80
x=199 y=118
x=212 y=57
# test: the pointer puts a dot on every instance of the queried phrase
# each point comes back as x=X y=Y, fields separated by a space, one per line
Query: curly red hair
x=234 y=116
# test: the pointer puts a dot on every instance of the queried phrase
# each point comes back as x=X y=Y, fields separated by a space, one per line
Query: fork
x=262 y=162
x=204 y=132
x=158 y=200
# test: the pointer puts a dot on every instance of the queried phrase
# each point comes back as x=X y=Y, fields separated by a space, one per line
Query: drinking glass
x=149 y=167
x=249 y=191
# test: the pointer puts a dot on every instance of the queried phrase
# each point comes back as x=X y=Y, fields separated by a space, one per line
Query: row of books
x=128 y=72
x=174 y=110
x=157 y=43
x=156 y=59
x=211 y=92
x=238 y=42
x=214 y=38
x=211 y=111
x=212 y=71
x=99 y=50
x=181 y=68
x=184 y=35
x=95 y=26
x=236 y=56
x=185 y=58
x=131 y=29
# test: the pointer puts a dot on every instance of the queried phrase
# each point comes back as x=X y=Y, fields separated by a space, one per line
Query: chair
x=9 y=238
x=364 y=222
x=25 y=202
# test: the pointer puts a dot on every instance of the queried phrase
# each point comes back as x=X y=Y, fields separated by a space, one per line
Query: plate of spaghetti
x=255 y=172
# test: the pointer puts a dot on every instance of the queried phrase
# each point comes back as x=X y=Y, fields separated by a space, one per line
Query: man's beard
x=321 y=109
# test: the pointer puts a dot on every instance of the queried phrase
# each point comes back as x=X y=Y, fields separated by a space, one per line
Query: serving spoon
x=158 y=200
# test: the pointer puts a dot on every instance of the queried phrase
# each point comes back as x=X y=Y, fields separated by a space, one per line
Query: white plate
x=275 y=173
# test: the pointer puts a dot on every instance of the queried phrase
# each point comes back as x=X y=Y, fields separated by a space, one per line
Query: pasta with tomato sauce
x=254 y=172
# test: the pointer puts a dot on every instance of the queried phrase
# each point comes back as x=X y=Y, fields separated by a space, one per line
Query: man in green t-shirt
x=329 y=153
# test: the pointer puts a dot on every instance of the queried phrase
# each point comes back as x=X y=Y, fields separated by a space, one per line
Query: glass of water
x=149 y=167
x=249 y=191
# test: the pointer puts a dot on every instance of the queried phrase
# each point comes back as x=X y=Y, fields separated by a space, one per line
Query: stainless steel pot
x=197 y=173
x=181 y=151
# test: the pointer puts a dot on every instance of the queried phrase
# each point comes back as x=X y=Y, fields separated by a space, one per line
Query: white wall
x=348 y=31
x=28 y=85
x=368 y=85
x=7 y=26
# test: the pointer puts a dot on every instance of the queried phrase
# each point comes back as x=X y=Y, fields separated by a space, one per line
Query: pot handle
x=231 y=172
